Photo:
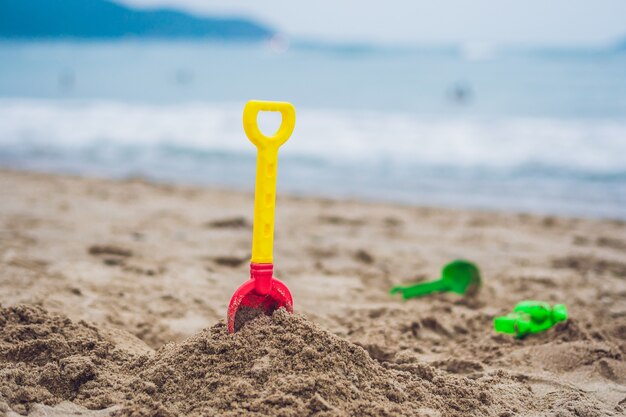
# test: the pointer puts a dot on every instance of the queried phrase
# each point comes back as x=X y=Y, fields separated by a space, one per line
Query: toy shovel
x=262 y=293
x=461 y=277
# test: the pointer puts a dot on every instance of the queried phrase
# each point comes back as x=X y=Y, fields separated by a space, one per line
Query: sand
x=114 y=296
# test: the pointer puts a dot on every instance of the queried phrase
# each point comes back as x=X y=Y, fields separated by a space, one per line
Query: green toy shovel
x=461 y=277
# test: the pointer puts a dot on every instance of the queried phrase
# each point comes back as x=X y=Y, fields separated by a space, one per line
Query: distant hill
x=102 y=19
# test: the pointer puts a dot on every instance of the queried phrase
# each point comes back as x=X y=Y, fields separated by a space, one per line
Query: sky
x=526 y=22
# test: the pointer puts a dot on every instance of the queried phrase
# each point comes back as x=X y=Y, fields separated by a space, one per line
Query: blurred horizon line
x=282 y=42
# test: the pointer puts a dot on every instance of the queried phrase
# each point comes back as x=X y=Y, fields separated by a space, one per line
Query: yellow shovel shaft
x=266 y=170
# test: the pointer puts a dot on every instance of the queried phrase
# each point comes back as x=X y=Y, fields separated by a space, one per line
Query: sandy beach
x=147 y=270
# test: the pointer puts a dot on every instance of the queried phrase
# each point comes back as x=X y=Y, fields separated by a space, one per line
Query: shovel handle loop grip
x=266 y=168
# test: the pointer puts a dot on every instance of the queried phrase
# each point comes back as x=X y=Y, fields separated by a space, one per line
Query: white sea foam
x=545 y=165
x=595 y=146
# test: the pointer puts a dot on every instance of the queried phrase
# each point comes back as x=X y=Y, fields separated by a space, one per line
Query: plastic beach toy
x=262 y=293
x=529 y=317
x=461 y=277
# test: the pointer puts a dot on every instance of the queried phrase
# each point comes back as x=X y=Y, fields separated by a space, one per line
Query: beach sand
x=114 y=295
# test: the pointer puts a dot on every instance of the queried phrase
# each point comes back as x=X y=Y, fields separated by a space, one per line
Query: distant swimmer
x=460 y=93
x=184 y=76
x=66 y=80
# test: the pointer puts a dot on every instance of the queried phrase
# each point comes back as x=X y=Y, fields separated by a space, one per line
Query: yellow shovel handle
x=266 y=167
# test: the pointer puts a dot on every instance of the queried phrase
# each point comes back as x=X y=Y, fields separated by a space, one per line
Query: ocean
x=519 y=129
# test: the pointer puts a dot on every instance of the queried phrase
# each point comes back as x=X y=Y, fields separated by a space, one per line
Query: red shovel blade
x=261 y=294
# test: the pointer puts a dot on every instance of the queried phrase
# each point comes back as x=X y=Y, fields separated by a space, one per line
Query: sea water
x=522 y=129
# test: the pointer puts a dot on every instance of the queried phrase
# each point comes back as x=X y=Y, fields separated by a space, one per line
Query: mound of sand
x=49 y=359
x=286 y=365
x=282 y=365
